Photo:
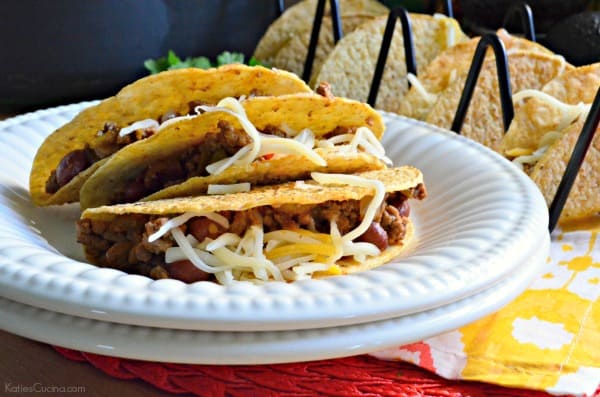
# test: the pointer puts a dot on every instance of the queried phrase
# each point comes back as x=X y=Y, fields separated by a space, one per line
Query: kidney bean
x=401 y=203
x=404 y=209
x=186 y=271
x=375 y=234
x=71 y=165
x=202 y=228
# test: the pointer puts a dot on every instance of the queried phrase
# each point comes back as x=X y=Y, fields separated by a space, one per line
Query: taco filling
x=109 y=140
x=283 y=242
x=240 y=144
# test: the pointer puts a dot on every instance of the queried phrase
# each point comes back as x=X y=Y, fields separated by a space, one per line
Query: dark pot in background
x=63 y=51
x=480 y=15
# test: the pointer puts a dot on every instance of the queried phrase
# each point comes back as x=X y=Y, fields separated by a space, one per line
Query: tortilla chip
x=320 y=114
x=449 y=64
x=483 y=122
x=297 y=18
x=292 y=55
x=534 y=117
x=584 y=198
x=149 y=97
x=351 y=65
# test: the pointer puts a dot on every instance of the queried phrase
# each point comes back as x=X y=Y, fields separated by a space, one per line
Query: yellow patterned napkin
x=547 y=339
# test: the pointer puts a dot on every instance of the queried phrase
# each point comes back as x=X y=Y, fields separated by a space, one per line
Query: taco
x=300 y=17
x=349 y=68
x=434 y=78
x=541 y=138
x=74 y=151
x=260 y=140
x=483 y=121
x=333 y=224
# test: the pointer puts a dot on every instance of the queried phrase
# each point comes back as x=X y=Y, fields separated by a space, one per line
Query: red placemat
x=352 y=376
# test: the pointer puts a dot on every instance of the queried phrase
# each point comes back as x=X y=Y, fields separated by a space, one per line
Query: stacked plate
x=481 y=237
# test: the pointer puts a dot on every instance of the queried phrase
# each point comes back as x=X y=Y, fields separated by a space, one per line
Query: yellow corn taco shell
x=299 y=17
x=148 y=98
x=292 y=55
x=106 y=221
x=297 y=112
x=448 y=65
x=483 y=121
x=350 y=66
x=584 y=198
x=535 y=117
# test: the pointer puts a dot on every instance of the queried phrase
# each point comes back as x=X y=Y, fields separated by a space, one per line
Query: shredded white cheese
x=174 y=223
x=261 y=144
x=353 y=180
x=228 y=189
x=569 y=114
x=232 y=107
x=306 y=137
x=350 y=143
x=139 y=125
x=429 y=98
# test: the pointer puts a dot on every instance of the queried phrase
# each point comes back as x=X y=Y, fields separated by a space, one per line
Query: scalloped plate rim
x=311 y=315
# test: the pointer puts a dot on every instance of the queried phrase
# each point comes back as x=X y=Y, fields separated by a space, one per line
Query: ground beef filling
x=123 y=242
x=107 y=142
x=192 y=162
x=189 y=163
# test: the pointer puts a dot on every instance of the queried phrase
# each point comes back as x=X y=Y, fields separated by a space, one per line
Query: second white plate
x=473 y=230
x=213 y=347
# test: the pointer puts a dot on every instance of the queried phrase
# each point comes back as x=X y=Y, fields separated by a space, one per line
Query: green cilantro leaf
x=156 y=65
x=230 y=57
x=172 y=61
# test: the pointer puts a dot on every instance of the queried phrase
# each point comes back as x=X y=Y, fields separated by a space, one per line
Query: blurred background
x=63 y=51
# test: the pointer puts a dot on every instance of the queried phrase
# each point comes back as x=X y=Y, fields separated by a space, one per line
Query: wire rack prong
x=448 y=8
x=279 y=8
x=575 y=161
x=388 y=35
x=316 y=29
x=524 y=11
x=487 y=40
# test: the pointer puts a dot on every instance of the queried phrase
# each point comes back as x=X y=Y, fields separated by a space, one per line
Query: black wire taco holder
x=523 y=10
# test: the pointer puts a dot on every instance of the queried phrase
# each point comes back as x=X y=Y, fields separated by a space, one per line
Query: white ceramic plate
x=473 y=230
x=210 y=347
